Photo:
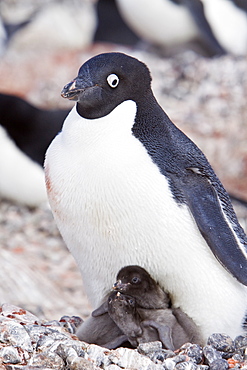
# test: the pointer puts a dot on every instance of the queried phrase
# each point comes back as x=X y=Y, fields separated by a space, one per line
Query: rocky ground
x=26 y=342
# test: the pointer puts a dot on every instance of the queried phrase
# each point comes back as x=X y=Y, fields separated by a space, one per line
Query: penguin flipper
x=115 y=343
x=196 y=9
x=101 y=310
x=203 y=201
x=164 y=332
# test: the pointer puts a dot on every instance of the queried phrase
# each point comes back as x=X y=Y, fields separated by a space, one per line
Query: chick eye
x=113 y=80
x=135 y=280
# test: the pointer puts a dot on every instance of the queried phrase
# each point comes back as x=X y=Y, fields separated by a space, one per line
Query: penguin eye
x=113 y=80
x=131 y=302
x=135 y=280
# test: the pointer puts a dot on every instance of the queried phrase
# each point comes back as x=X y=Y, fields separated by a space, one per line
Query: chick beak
x=120 y=286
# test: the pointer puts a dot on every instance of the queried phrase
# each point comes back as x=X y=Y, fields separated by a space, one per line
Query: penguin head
x=137 y=283
x=131 y=279
x=105 y=81
x=117 y=299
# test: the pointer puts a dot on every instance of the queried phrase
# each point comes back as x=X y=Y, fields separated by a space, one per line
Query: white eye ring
x=113 y=80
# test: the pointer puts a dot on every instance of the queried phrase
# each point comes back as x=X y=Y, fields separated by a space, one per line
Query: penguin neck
x=151 y=121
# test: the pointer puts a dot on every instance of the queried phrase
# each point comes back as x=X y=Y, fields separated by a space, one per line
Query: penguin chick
x=144 y=313
x=172 y=324
x=138 y=328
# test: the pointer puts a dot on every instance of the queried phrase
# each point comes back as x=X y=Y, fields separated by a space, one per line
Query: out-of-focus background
x=199 y=77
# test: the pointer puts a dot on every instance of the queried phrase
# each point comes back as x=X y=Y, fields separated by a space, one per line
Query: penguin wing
x=206 y=207
x=101 y=310
x=196 y=9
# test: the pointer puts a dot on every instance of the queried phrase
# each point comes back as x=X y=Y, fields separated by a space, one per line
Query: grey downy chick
x=153 y=305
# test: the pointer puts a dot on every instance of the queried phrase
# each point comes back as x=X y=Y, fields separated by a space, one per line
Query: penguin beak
x=76 y=88
x=71 y=91
x=81 y=88
x=120 y=286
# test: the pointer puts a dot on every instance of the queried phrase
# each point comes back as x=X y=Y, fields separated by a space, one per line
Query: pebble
x=71 y=323
x=240 y=342
x=11 y=332
x=23 y=316
x=151 y=347
x=47 y=359
x=220 y=364
x=131 y=359
x=189 y=365
x=194 y=351
x=221 y=342
x=29 y=343
x=10 y=355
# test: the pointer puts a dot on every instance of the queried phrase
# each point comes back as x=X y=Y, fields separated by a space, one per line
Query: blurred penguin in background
x=219 y=25
x=25 y=133
x=53 y=25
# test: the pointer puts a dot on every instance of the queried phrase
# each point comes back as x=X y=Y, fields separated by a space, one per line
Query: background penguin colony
x=11 y=43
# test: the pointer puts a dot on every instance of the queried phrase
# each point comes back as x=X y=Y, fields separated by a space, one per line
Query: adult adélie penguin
x=126 y=186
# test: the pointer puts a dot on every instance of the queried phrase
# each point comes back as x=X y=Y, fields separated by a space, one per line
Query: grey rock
x=188 y=365
x=113 y=367
x=10 y=355
x=71 y=323
x=27 y=367
x=11 y=332
x=240 y=342
x=161 y=355
x=35 y=332
x=147 y=348
x=221 y=342
x=47 y=359
x=99 y=355
x=65 y=351
x=17 y=313
x=49 y=338
x=172 y=363
x=131 y=359
x=79 y=347
x=179 y=358
x=211 y=354
x=44 y=342
x=80 y=363
x=52 y=323
x=69 y=348
x=194 y=351
x=238 y=357
x=219 y=365
x=169 y=364
x=17 y=367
